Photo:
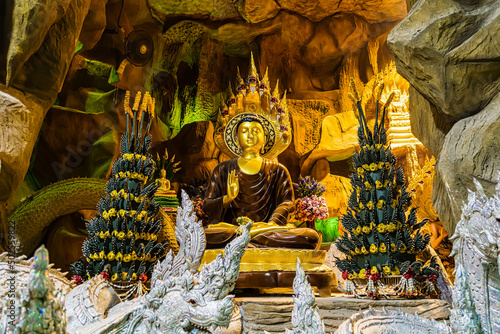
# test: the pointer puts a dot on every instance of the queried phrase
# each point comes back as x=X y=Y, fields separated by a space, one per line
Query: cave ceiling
x=72 y=58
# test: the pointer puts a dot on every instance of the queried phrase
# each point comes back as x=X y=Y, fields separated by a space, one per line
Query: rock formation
x=78 y=81
x=447 y=52
x=189 y=73
x=42 y=43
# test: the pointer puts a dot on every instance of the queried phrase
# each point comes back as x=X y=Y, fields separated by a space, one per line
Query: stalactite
x=373 y=46
x=350 y=69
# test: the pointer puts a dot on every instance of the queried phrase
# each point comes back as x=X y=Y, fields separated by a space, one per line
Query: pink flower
x=311 y=208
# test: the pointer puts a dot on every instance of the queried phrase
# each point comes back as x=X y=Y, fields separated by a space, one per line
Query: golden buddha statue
x=253 y=128
x=163 y=182
x=165 y=196
x=252 y=184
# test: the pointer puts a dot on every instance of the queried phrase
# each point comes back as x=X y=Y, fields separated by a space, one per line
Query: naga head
x=186 y=311
x=183 y=300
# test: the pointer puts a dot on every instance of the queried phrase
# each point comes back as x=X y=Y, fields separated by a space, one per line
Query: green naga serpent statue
x=36 y=213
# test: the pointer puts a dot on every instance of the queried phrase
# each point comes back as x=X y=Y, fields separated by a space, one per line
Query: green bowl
x=329 y=228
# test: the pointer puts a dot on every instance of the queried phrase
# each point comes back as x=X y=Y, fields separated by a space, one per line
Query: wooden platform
x=273 y=314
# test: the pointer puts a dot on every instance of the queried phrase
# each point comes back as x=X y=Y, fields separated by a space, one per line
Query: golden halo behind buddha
x=231 y=133
x=254 y=100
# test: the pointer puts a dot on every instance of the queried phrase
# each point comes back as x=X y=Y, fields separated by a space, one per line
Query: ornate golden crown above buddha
x=253 y=100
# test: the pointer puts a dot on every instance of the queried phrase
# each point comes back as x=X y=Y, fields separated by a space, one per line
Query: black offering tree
x=122 y=238
x=380 y=240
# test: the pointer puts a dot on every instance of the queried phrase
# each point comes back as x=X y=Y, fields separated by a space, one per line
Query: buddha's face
x=251 y=136
x=163 y=173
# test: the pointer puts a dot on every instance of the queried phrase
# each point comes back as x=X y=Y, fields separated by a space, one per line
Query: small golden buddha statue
x=163 y=181
x=251 y=184
x=165 y=196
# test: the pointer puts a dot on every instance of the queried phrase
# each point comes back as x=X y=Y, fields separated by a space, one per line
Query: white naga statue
x=181 y=300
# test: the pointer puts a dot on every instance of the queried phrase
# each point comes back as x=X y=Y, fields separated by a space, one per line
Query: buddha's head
x=163 y=173
x=251 y=136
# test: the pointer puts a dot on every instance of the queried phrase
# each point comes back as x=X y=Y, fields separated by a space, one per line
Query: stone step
x=273 y=314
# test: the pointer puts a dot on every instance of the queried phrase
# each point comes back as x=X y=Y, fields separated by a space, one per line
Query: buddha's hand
x=233 y=187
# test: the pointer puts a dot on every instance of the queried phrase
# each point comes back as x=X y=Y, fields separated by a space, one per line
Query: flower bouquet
x=310 y=205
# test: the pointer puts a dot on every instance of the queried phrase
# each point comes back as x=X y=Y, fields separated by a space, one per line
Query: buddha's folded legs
x=298 y=238
x=219 y=237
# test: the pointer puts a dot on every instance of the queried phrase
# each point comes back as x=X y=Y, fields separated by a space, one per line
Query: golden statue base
x=272 y=270
x=267 y=259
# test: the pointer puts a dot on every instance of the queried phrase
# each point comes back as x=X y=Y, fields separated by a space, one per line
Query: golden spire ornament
x=265 y=80
x=252 y=72
x=239 y=79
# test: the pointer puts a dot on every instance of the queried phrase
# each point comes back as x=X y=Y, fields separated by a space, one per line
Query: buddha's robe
x=264 y=197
